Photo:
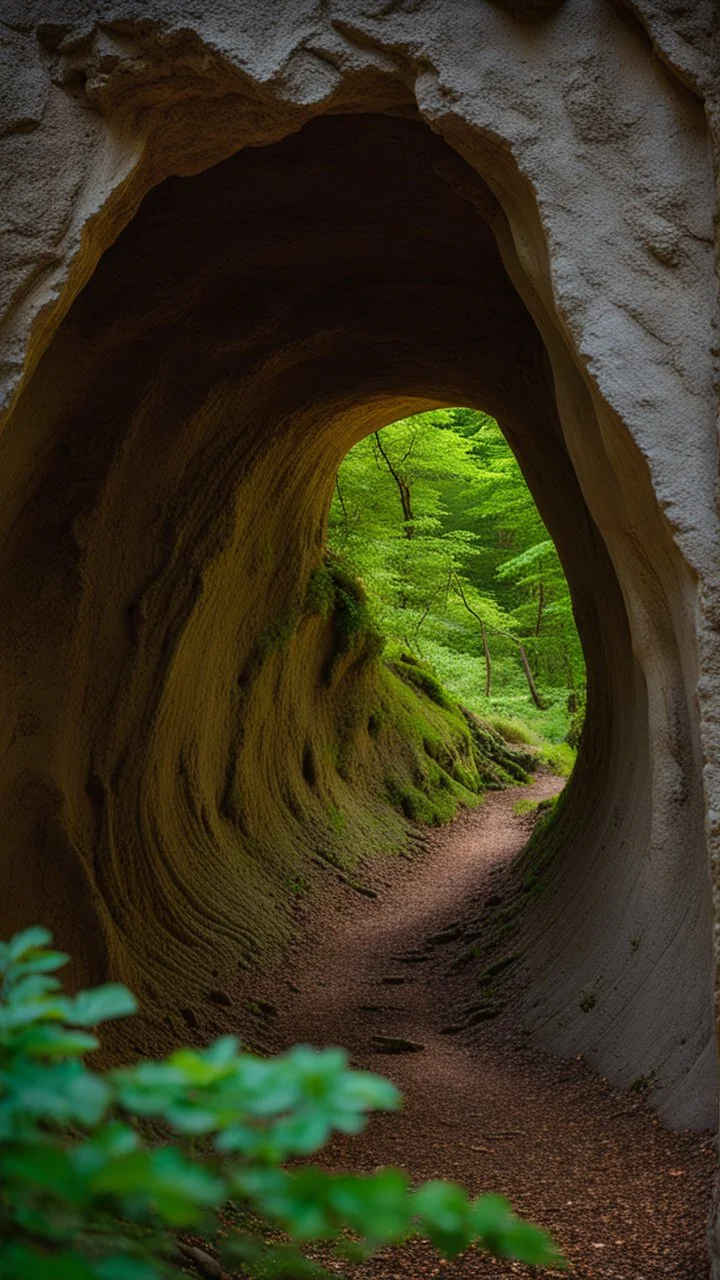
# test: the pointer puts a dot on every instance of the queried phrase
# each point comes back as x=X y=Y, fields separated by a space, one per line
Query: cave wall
x=181 y=436
x=233 y=249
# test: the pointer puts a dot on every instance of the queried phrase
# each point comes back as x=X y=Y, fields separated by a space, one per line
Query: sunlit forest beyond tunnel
x=434 y=515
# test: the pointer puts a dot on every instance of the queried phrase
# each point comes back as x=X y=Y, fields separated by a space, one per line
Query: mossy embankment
x=372 y=744
x=335 y=753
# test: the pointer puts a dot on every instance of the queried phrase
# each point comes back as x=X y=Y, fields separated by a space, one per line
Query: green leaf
x=446 y=1216
x=41 y=962
x=44 y=1166
x=32 y=986
x=507 y=1236
x=378 y=1206
x=223 y=1052
x=109 y=1143
x=129 y=1173
x=529 y=1244
x=29 y=940
x=18 y=1262
x=303 y=1133
x=180 y=1190
x=57 y=1094
x=492 y=1215
x=189 y=1119
x=58 y=1042
x=370 y=1092
x=198 y=1068
x=52 y=1008
x=102 y=1003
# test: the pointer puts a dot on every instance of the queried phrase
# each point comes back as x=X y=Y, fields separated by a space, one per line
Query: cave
x=255 y=275
x=183 y=432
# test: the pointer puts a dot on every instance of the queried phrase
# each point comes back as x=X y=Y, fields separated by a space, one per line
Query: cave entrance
x=166 y=476
x=433 y=514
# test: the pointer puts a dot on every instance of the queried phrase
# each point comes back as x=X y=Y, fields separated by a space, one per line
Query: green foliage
x=320 y=593
x=334 y=591
x=559 y=757
x=524 y=806
x=86 y=1198
x=435 y=517
x=514 y=730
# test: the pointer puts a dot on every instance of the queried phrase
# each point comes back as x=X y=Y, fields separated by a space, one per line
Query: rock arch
x=235 y=250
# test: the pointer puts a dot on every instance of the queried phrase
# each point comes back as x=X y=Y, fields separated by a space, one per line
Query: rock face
x=235 y=246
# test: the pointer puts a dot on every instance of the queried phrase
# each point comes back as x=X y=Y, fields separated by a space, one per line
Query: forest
x=434 y=516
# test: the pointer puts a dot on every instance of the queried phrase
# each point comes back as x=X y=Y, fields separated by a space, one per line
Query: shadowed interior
x=170 y=727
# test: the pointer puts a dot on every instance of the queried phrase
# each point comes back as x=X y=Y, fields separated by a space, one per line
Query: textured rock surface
x=506 y=206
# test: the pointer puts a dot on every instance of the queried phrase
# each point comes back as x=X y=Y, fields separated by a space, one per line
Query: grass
x=509 y=708
x=559 y=757
x=525 y=806
x=514 y=730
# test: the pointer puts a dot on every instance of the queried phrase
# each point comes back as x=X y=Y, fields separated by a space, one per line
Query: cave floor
x=626 y=1199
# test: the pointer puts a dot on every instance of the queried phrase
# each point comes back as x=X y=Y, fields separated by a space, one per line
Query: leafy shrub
x=86 y=1197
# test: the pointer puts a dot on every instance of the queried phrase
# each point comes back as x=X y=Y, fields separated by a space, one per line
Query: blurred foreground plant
x=85 y=1197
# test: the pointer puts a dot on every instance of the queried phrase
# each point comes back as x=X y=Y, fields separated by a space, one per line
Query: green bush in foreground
x=85 y=1197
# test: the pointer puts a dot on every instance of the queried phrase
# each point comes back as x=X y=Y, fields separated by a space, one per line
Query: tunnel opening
x=173 y=731
x=433 y=514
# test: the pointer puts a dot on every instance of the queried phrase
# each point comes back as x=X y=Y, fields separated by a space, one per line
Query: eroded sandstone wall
x=507 y=207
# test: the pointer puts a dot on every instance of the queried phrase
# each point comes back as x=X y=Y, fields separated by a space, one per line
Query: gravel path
x=626 y=1199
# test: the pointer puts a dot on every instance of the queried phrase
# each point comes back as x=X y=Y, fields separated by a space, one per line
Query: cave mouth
x=174 y=734
x=433 y=515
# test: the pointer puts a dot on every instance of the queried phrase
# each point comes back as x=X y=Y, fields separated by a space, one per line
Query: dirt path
x=625 y=1199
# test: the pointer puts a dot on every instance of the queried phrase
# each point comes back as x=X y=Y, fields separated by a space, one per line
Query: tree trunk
x=541 y=606
x=539 y=702
x=341 y=500
x=403 y=489
x=488 y=662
